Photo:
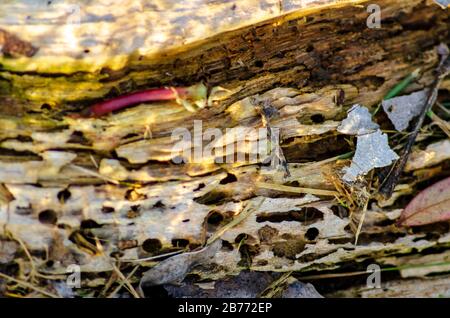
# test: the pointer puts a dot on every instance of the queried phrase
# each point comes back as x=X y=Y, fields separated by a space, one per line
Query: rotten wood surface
x=89 y=190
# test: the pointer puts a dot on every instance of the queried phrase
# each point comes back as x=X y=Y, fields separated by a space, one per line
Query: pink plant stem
x=151 y=95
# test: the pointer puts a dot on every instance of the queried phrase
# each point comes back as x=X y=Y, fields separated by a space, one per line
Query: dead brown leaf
x=429 y=206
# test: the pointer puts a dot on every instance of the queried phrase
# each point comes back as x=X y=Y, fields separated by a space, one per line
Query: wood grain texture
x=73 y=180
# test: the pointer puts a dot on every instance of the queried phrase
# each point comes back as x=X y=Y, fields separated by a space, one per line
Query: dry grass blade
x=27 y=253
x=28 y=285
x=126 y=282
x=443 y=108
x=152 y=258
x=123 y=282
x=283 y=188
x=276 y=286
x=361 y=222
x=93 y=173
x=442 y=124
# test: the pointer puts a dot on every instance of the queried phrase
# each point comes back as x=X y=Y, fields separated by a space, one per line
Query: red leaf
x=429 y=206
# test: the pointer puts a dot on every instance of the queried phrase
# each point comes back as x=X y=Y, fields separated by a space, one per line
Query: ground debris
x=246 y=285
x=174 y=269
x=297 y=289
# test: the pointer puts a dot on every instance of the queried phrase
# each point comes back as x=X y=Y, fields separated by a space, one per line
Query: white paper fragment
x=443 y=3
x=372 y=151
x=402 y=109
x=358 y=122
x=372 y=148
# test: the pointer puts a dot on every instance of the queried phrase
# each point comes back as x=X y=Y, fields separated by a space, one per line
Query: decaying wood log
x=95 y=191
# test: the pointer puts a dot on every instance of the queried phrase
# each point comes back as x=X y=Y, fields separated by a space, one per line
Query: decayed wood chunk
x=127 y=30
x=86 y=190
x=291 y=50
